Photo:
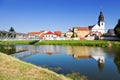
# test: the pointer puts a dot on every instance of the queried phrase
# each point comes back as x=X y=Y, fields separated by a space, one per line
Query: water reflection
x=8 y=49
x=47 y=49
x=75 y=58
x=117 y=59
x=23 y=51
x=79 y=52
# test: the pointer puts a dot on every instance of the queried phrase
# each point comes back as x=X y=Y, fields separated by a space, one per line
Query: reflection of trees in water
x=7 y=49
x=117 y=58
x=117 y=62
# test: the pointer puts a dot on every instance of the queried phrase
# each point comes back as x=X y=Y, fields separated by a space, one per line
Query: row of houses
x=93 y=32
x=47 y=35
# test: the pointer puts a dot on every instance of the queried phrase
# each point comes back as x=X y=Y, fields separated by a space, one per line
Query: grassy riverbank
x=74 y=42
x=16 y=42
x=95 y=43
x=14 y=69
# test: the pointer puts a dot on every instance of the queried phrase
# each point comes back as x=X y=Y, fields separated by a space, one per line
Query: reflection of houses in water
x=20 y=48
x=42 y=49
x=79 y=52
x=47 y=49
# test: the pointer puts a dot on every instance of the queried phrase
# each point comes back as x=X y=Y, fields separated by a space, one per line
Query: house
x=34 y=35
x=110 y=32
x=21 y=36
x=81 y=32
x=37 y=35
x=69 y=33
x=49 y=35
x=110 y=35
x=58 y=33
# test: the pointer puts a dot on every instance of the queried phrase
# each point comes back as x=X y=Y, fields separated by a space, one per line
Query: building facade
x=89 y=31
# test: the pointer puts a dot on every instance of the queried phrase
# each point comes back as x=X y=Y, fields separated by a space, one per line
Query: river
x=94 y=62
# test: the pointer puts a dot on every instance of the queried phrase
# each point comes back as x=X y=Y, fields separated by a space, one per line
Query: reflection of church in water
x=87 y=53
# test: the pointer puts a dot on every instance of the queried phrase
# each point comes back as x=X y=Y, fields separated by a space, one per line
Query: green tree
x=117 y=29
x=11 y=29
x=12 y=32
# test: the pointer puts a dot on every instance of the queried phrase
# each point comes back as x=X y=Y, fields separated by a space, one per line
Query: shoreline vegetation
x=12 y=68
x=94 y=43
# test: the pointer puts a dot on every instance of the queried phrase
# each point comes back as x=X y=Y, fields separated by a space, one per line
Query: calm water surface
x=94 y=62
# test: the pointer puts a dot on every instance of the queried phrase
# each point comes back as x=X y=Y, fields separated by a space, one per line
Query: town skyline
x=36 y=15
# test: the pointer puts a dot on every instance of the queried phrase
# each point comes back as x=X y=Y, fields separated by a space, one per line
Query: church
x=89 y=32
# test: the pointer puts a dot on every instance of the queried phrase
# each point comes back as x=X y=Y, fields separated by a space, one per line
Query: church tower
x=101 y=22
x=100 y=26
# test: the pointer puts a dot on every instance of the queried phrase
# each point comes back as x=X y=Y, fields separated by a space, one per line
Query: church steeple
x=101 y=17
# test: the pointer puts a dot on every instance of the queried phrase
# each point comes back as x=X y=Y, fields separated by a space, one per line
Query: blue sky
x=36 y=15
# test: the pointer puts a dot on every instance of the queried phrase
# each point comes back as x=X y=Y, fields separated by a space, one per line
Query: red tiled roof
x=49 y=32
x=34 y=32
x=83 y=28
x=58 y=33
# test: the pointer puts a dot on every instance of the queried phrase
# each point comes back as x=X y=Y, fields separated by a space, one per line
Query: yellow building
x=81 y=31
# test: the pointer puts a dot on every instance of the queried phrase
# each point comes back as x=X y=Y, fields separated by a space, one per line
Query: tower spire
x=101 y=17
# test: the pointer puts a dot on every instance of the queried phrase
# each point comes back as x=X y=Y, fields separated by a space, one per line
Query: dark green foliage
x=8 y=49
x=15 y=42
x=76 y=76
x=11 y=29
x=74 y=35
x=117 y=62
x=33 y=42
x=117 y=29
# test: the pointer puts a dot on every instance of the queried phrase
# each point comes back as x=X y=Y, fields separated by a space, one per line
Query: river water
x=94 y=62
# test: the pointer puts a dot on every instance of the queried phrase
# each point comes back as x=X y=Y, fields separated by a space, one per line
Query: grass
x=115 y=44
x=16 y=42
x=76 y=76
x=95 y=43
x=74 y=42
x=14 y=69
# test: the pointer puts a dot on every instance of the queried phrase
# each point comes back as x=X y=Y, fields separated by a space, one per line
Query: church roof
x=90 y=27
x=101 y=17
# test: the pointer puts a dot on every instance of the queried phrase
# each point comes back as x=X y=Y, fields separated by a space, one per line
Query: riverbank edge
x=12 y=68
x=94 y=43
